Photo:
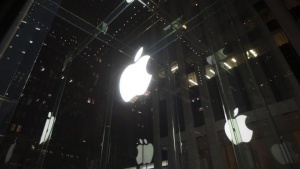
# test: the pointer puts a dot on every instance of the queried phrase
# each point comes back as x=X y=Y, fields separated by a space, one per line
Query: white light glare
x=234 y=60
x=212 y=71
x=30 y=41
x=129 y=1
x=229 y=67
x=174 y=68
x=47 y=128
x=190 y=80
x=135 y=78
x=37 y=28
x=253 y=52
x=207 y=76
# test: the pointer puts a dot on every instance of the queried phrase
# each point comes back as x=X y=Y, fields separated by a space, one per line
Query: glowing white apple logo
x=241 y=133
x=135 y=78
x=47 y=128
x=145 y=152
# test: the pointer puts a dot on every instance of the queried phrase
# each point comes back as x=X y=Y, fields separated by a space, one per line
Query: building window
x=192 y=79
x=280 y=38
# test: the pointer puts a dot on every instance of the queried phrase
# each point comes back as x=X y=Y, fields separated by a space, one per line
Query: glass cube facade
x=216 y=85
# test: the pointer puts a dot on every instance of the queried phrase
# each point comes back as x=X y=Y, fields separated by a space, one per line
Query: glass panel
x=221 y=86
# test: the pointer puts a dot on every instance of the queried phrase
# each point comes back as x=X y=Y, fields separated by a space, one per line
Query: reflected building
x=208 y=58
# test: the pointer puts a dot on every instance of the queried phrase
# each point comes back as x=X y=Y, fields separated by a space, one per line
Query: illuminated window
x=252 y=53
x=174 y=67
x=209 y=71
x=280 y=38
x=192 y=79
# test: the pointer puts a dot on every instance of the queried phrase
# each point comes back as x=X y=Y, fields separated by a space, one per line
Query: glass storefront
x=142 y=84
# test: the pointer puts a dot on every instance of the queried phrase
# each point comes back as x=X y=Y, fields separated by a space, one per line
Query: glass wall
x=219 y=89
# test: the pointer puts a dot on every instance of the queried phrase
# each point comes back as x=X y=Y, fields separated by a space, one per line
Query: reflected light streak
x=229 y=67
x=190 y=80
x=47 y=128
x=174 y=68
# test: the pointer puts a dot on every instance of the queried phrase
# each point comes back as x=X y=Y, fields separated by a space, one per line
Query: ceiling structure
x=119 y=28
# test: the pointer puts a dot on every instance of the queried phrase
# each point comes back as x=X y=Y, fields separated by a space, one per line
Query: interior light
x=229 y=67
x=37 y=28
x=47 y=128
x=174 y=68
x=190 y=80
x=212 y=71
x=253 y=52
x=30 y=41
x=129 y=1
x=234 y=60
x=207 y=77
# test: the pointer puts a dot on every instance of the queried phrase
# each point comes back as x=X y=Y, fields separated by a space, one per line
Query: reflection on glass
x=47 y=128
x=145 y=152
